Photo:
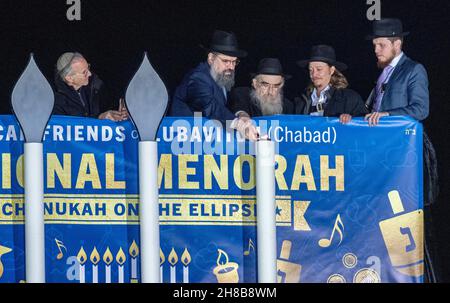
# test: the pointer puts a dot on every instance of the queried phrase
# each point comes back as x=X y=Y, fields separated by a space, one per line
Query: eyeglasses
x=228 y=62
x=265 y=85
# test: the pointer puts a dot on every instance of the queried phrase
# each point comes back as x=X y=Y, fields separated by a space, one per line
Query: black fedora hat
x=270 y=66
x=323 y=53
x=225 y=43
x=387 y=27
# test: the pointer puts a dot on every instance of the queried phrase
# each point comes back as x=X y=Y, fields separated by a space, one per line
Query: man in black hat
x=327 y=94
x=265 y=97
x=205 y=88
x=402 y=87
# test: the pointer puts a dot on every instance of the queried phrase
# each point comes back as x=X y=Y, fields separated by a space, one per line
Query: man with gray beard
x=205 y=88
x=265 y=97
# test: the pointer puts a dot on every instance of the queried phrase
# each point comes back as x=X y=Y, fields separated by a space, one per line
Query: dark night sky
x=114 y=34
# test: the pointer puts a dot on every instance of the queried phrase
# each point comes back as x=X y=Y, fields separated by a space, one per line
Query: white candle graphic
x=95 y=258
x=134 y=252
x=186 y=259
x=120 y=259
x=107 y=258
x=82 y=258
x=173 y=260
x=162 y=259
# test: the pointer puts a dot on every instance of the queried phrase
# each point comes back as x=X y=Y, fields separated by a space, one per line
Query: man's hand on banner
x=345 y=118
x=112 y=115
x=374 y=117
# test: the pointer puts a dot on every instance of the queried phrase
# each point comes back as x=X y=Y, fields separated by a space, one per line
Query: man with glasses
x=205 y=88
x=79 y=91
x=265 y=97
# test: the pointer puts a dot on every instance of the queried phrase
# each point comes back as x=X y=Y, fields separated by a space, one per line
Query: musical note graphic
x=60 y=244
x=3 y=250
x=327 y=242
x=250 y=246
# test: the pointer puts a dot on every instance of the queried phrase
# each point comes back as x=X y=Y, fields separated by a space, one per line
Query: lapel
x=397 y=71
x=219 y=93
x=330 y=101
x=307 y=98
x=224 y=94
x=369 y=101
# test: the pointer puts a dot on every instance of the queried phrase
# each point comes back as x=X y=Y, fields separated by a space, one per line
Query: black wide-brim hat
x=323 y=53
x=225 y=43
x=387 y=28
x=270 y=66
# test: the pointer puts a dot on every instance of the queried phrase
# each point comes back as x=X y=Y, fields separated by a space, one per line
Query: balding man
x=78 y=90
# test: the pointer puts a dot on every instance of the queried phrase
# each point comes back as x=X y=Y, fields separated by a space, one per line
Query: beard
x=223 y=79
x=269 y=105
x=383 y=64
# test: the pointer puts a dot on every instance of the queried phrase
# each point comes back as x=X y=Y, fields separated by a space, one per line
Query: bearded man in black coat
x=265 y=97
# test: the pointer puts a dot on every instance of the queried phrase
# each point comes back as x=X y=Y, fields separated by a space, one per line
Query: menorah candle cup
x=227 y=273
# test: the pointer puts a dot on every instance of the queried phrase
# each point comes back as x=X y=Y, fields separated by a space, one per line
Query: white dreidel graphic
x=287 y=272
x=403 y=236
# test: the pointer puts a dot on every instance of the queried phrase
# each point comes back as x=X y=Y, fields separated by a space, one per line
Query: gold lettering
x=279 y=172
x=220 y=174
x=237 y=172
x=303 y=163
x=184 y=171
x=88 y=162
x=326 y=172
x=6 y=171
x=110 y=172
x=19 y=170
x=165 y=170
x=64 y=172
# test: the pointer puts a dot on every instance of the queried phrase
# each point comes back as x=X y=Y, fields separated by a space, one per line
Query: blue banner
x=349 y=201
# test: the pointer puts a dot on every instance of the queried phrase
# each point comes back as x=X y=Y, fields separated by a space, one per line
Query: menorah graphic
x=107 y=259
x=173 y=261
x=95 y=260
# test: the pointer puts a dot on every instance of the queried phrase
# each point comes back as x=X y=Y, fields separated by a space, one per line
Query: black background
x=113 y=35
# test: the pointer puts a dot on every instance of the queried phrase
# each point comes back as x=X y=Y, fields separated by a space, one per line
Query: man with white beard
x=205 y=88
x=265 y=97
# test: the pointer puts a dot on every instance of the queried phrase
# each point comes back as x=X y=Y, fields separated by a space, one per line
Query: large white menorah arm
x=32 y=101
x=146 y=99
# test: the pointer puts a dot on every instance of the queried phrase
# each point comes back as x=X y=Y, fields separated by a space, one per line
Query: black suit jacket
x=198 y=92
x=68 y=103
x=339 y=101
